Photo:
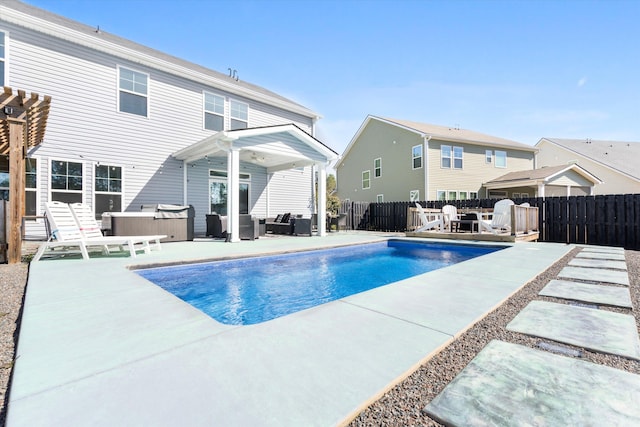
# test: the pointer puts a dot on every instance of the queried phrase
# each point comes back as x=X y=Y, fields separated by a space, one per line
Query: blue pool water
x=252 y=290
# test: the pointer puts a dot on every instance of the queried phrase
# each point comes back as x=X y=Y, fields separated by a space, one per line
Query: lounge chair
x=426 y=223
x=68 y=233
x=500 y=219
x=449 y=213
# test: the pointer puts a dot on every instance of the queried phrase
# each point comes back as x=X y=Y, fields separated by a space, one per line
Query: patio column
x=322 y=200
x=233 y=194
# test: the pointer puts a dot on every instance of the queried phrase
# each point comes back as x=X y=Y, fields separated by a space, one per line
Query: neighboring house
x=615 y=163
x=130 y=125
x=397 y=160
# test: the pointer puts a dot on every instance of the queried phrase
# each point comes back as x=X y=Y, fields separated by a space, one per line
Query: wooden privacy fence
x=607 y=220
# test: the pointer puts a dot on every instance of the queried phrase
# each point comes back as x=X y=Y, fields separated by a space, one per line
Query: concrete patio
x=99 y=345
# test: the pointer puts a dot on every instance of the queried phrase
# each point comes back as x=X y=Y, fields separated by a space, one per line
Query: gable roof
x=618 y=155
x=543 y=174
x=443 y=133
x=57 y=26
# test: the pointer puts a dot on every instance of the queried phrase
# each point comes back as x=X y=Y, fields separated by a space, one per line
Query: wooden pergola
x=23 y=120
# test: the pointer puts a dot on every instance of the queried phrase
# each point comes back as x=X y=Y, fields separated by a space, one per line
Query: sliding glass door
x=218 y=196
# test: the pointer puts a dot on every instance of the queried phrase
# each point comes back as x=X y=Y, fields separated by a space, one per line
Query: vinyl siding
x=85 y=126
x=398 y=177
x=475 y=171
x=613 y=181
x=280 y=187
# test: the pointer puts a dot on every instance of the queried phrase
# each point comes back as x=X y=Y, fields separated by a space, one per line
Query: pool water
x=253 y=290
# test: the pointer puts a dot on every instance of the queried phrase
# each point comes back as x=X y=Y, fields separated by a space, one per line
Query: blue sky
x=520 y=70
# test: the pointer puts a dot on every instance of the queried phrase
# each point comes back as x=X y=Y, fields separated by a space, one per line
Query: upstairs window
x=488 y=156
x=451 y=157
x=501 y=159
x=66 y=181
x=416 y=157
x=213 y=112
x=366 y=179
x=133 y=88
x=377 y=168
x=3 y=56
x=239 y=115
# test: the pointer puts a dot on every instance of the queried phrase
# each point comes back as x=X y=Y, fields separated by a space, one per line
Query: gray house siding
x=85 y=125
x=393 y=146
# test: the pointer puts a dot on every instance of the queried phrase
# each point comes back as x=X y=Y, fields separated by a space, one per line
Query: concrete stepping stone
x=597 y=330
x=598 y=263
x=510 y=384
x=604 y=249
x=600 y=255
x=595 y=275
x=598 y=294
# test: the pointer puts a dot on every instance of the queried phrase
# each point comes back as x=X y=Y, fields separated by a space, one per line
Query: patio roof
x=275 y=148
x=542 y=176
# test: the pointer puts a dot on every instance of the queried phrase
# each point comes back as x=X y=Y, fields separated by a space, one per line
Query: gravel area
x=13 y=280
x=402 y=405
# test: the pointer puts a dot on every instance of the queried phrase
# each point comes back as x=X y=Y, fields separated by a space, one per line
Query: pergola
x=23 y=120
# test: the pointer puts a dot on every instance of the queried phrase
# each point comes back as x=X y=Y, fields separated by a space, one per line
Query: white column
x=541 y=191
x=233 y=194
x=322 y=200
x=568 y=191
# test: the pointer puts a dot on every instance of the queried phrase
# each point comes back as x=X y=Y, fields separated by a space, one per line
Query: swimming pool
x=253 y=290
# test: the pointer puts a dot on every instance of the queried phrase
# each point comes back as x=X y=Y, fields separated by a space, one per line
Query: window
x=213 y=112
x=451 y=156
x=377 y=168
x=452 y=195
x=66 y=181
x=462 y=195
x=414 y=195
x=108 y=189
x=457 y=157
x=495 y=194
x=380 y=198
x=501 y=159
x=30 y=183
x=239 y=115
x=473 y=194
x=366 y=179
x=133 y=92
x=524 y=195
x=3 y=57
x=218 y=192
x=441 y=195
x=488 y=156
x=416 y=155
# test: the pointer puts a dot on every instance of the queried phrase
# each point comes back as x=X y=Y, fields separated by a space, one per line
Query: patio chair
x=500 y=219
x=426 y=223
x=449 y=213
x=66 y=233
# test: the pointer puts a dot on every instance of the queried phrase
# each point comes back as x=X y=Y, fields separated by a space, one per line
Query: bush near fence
x=606 y=220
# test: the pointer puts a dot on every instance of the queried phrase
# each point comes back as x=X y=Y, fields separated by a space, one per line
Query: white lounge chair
x=500 y=219
x=66 y=232
x=426 y=223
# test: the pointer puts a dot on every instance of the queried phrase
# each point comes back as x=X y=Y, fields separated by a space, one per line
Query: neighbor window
x=457 y=157
x=473 y=195
x=452 y=195
x=462 y=195
x=213 y=112
x=496 y=194
x=451 y=157
x=108 y=189
x=488 y=156
x=380 y=198
x=30 y=183
x=66 y=181
x=366 y=179
x=377 y=168
x=416 y=155
x=501 y=159
x=239 y=115
x=441 y=195
x=414 y=195
x=133 y=92
x=3 y=56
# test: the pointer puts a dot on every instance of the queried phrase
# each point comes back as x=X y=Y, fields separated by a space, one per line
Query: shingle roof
x=455 y=134
x=144 y=50
x=619 y=155
x=540 y=174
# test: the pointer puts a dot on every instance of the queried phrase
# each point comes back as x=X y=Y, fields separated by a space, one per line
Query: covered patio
x=264 y=151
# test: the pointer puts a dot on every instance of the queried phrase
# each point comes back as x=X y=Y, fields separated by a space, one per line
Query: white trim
x=379 y=198
x=5 y=60
x=374 y=167
x=94 y=191
x=368 y=171
x=421 y=157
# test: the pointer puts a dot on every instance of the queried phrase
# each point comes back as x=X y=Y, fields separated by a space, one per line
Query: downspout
x=425 y=167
